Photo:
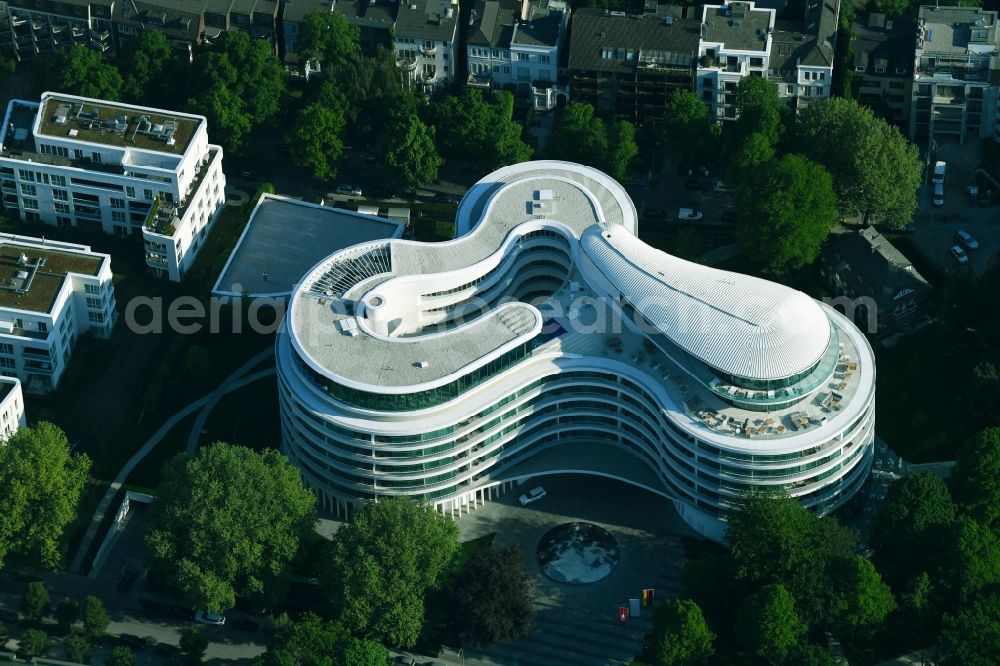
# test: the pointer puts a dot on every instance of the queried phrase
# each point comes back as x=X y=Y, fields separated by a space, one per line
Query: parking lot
x=936 y=227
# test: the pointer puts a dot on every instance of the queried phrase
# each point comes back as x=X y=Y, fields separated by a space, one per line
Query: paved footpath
x=234 y=381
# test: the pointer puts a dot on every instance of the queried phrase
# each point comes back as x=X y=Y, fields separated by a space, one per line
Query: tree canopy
x=35 y=601
x=758 y=110
x=238 y=86
x=40 y=486
x=382 y=563
x=480 y=132
x=863 y=601
x=971 y=637
x=768 y=625
x=975 y=479
x=149 y=63
x=580 y=136
x=227 y=523
x=875 y=170
x=311 y=641
x=491 y=597
x=680 y=635
x=315 y=136
x=78 y=70
x=690 y=134
x=786 y=210
x=407 y=145
x=95 y=618
x=328 y=37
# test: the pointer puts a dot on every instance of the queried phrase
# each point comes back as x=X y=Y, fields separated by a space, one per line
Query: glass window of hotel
x=756 y=62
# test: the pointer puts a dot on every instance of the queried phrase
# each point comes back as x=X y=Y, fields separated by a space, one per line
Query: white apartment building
x=125 y=170
x=51 y=293
x=424 y=42
x=11 y=407
x=515 y=44
x=738 y=39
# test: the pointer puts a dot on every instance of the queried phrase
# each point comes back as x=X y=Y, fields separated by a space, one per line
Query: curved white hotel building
x=548 y=338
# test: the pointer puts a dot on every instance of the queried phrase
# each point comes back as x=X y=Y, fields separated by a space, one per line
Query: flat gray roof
x=286 y=237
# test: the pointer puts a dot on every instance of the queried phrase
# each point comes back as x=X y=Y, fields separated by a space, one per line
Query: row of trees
x=797 y=177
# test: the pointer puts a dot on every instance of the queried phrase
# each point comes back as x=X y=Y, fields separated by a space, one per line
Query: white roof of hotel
x=738 y=324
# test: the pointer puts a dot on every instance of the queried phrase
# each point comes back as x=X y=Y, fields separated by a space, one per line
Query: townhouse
x=425 y=42
x=882 y=65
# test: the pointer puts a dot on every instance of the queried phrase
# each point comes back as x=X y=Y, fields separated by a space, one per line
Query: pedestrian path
x=232 y=382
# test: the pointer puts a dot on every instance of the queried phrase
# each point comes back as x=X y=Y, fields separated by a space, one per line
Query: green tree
x=691 y=135
x=680 y=635
x=329 y=38
x=622 y=148
x=77 y=648
x=811 y=655
x=375 y=89
x=7 y=67
x=35 y=602
x=120 y=656
x=773 y=539
x=768 y=625
x=197 y=363
x=407 y=146
x=756 y=151
x=786 y=210
x=382 y=563
x=67 y=613
x=875 y=170
x=79 y=70
x=227 y=523
x=481 y=132
x=41 y=481
x=975 y=479
x=864 y=601
x=910 y=526
x=579 y=136
x=361 y=652
x=95 y=618
x=758 y=110
x=149 y=64
x=491 y=597
x=971 y=637
x=216 y=96
x=33 y=643
x=971 y=560
x=316 y=135
x=193 y=644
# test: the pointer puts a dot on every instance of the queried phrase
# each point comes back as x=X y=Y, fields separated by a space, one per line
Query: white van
x=938 y=195
x=939 y=169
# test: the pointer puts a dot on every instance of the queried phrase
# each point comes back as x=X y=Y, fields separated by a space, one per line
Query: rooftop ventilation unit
x=421 y=364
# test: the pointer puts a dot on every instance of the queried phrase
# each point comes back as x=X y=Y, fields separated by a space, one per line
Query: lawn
x=920 y=408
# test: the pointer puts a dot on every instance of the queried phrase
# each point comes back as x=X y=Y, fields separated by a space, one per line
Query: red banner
x=623 y=615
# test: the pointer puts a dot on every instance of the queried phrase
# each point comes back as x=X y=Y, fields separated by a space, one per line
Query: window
x=77 y=154
x=95 y=303
x=43 y=327
x=607 y=54
x=31 y=204
x=522 y=57
x=28 y=190
x=790 y=89
x=756 y=62
x=60 y=195
x=62 y=207
x=544 y=59
x=130 y=192
x=6 y=348
x=148 y=195
x=7 y=362
x=95 y=156
x=92 y=288
x=879 y=70
x=807 y=92
x=117 y=216
x=95 y=317
x=59 y=180
x=859 y=69
x=26 y=176
x=117 y=203
x=822 y=76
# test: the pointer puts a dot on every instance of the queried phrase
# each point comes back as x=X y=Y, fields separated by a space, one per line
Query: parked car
x=721 y=186
x=938 y=195
x=532 y=496
x=938 y=176
x=167 y=650
x=966 y=239
x=204 y=617
x=959 y=254
x=689 y=214
x=349 y=190
x=405 y=660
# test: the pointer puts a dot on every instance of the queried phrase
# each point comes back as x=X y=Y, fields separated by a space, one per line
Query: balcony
x=162 y=218
x=480 y=80
x=429 y=77
x=156 y=260
x=406 y=64
x=429 y=51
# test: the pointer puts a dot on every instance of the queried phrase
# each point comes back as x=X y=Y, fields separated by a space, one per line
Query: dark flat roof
x=427 y=19
x=48 y=279
x=666 y=36
x=286 y=237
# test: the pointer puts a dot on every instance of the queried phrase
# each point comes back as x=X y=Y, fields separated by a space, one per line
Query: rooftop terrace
x=120 y=126
x=33 y=286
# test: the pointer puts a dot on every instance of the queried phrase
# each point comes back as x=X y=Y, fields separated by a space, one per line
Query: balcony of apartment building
x=429 y=49
x=479 y=79
x=428 y=75
x=406 y=61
